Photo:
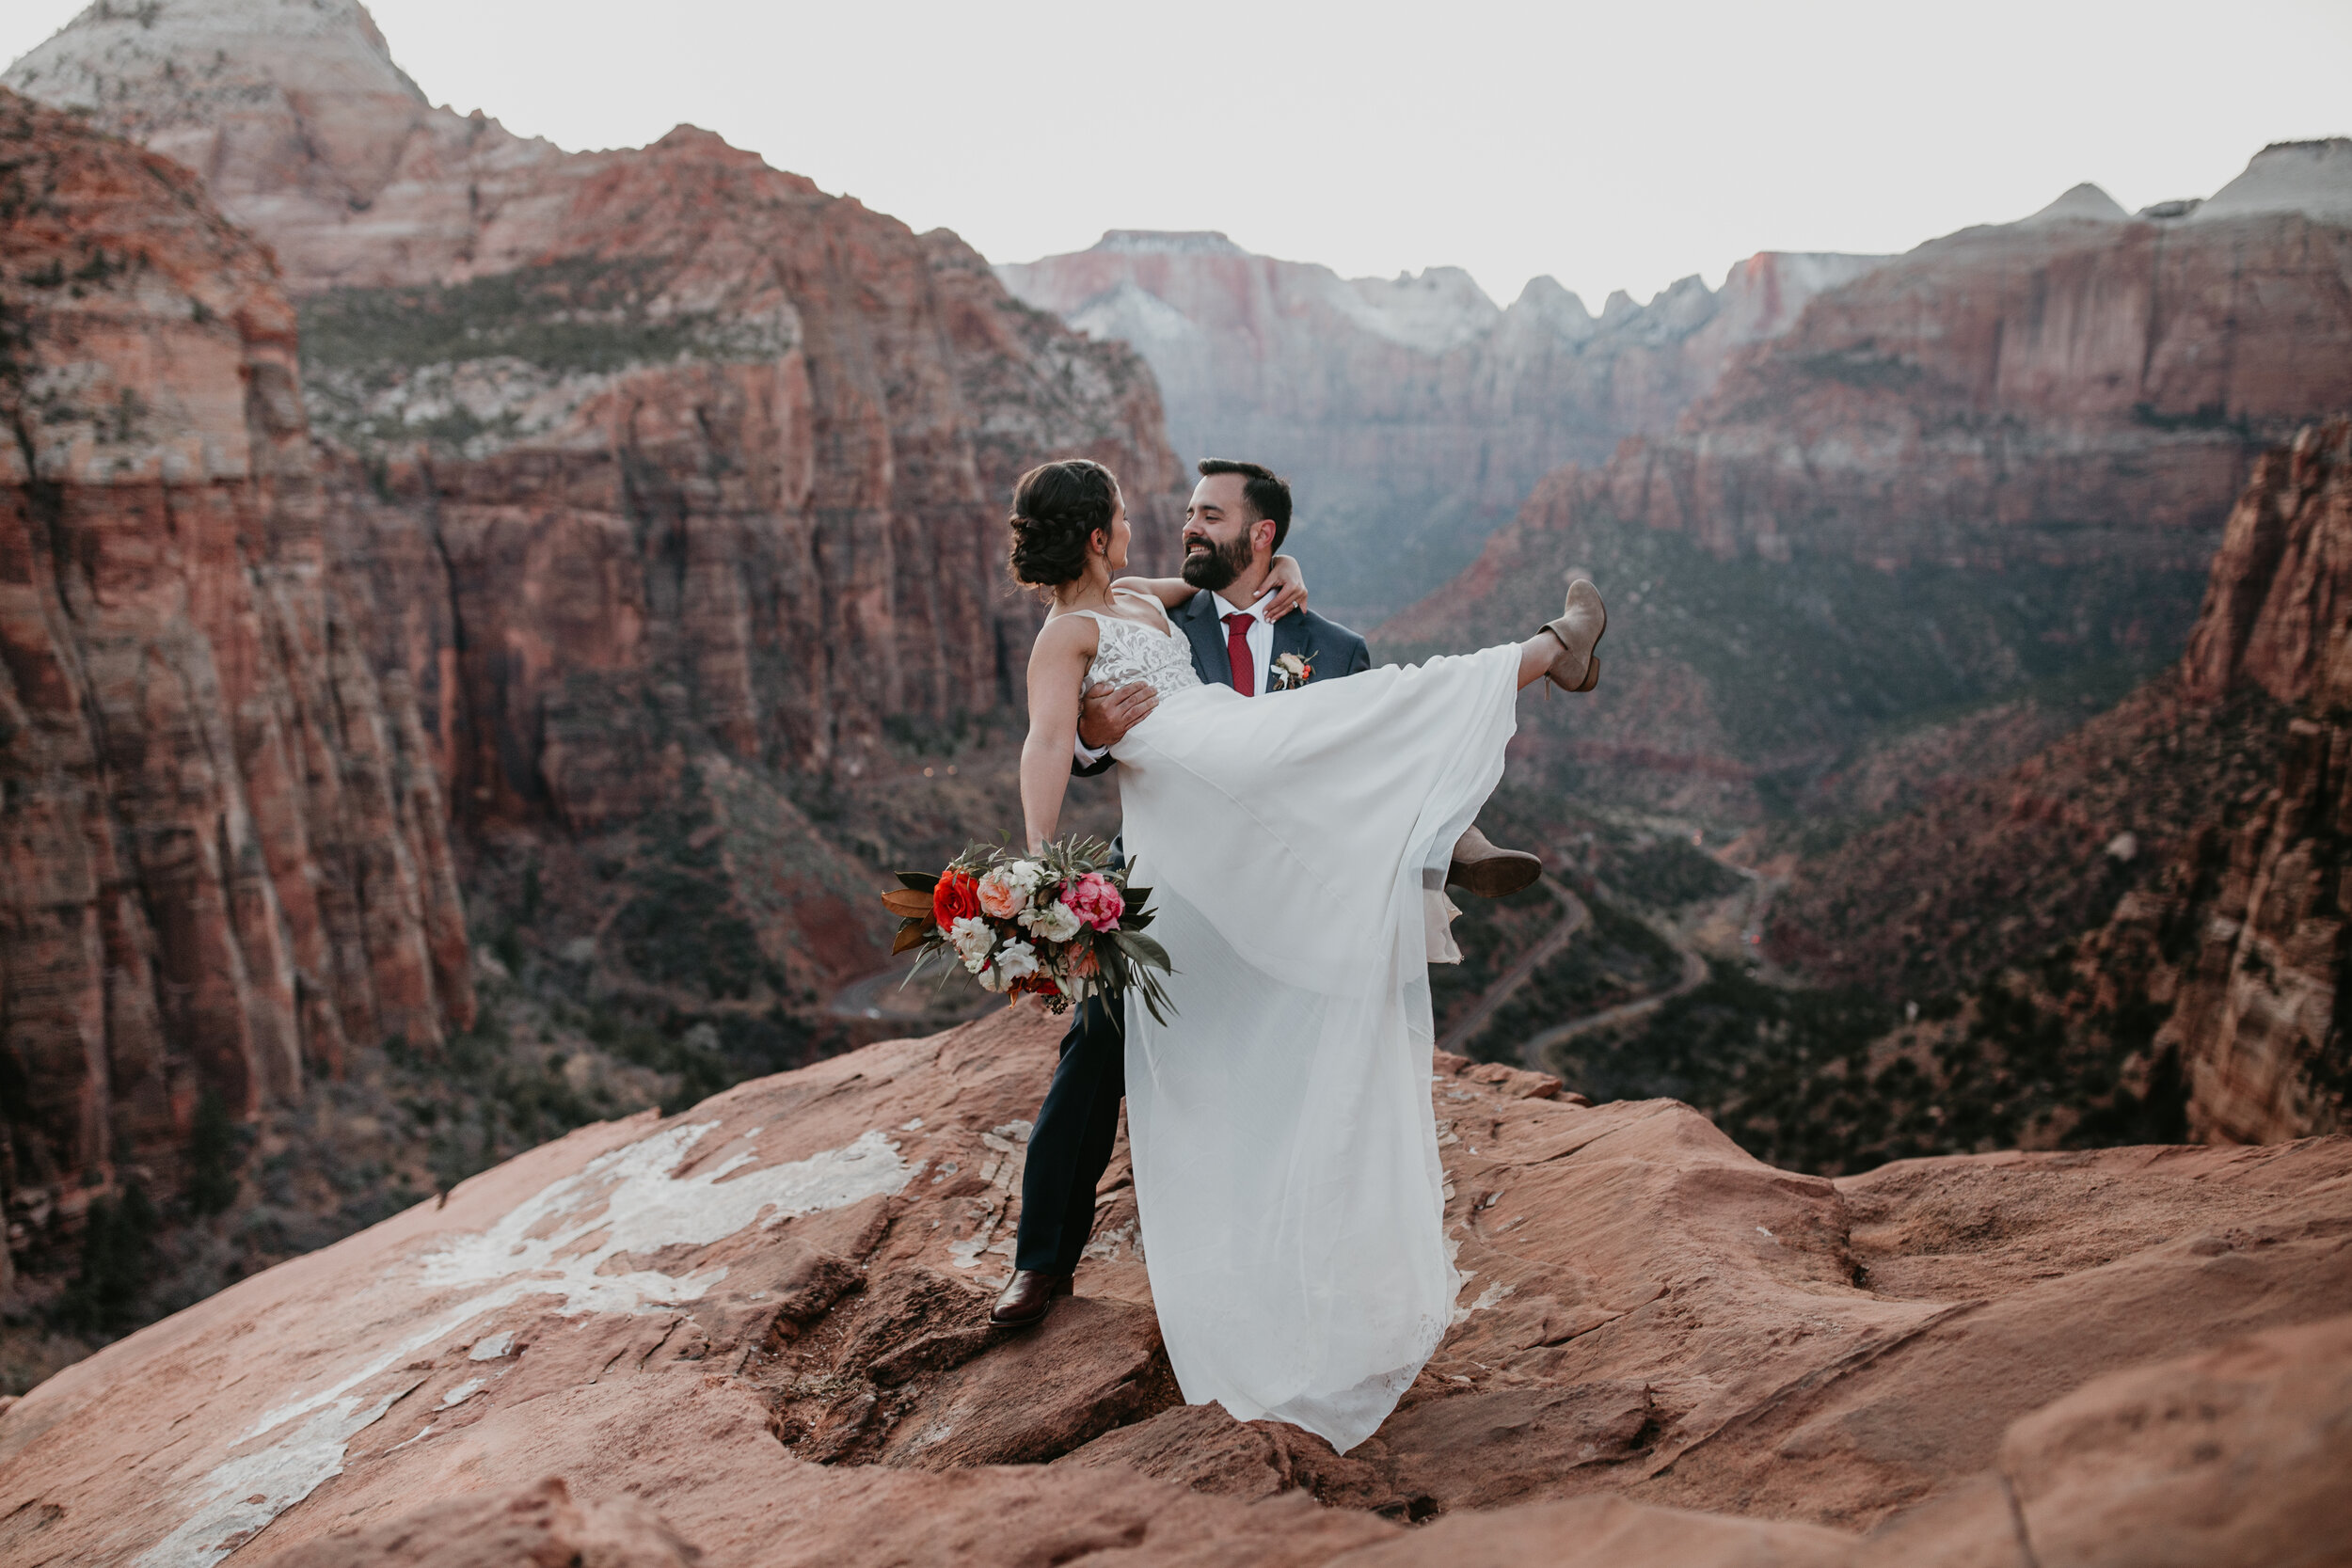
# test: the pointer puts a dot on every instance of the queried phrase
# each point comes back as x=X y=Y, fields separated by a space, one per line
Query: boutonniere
x=1289 y=673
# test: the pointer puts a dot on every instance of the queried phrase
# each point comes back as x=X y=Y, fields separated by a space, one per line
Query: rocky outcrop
x=224 y=835
x=1412 y=413
x=754 y=1331
x=2244 y=935
x=2184 y=848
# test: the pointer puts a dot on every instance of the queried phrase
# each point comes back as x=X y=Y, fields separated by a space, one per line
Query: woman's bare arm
x=1057 y=672
x=1287 y=581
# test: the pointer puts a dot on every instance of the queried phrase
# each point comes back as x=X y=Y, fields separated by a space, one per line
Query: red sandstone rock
x=226 y=862
x=791 y=509
x=2225 y=778
x=539 y=1525
x=758 y=1322
x=2071 y=392
x=649 y=459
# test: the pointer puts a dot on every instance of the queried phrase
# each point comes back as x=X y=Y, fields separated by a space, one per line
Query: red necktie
x=1237 y=649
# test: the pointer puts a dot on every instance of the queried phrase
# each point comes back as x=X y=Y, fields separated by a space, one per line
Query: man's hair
x=1267 y=492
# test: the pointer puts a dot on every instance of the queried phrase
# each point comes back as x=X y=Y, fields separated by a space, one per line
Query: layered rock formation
x=2003 y=458
x=224 y=835
x=2187 y=843
x=672 y=482
x=754 y=1331
x=1412 y=413
x=2077 y=386
x=2246 y=934
x=762 y=435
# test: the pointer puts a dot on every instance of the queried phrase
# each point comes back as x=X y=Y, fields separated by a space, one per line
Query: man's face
x=1222 y=536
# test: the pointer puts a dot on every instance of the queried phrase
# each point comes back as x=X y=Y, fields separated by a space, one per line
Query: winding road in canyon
x=1534 y=1051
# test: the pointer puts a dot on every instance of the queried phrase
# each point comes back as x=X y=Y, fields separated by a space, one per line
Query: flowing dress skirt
x=1285 y=1156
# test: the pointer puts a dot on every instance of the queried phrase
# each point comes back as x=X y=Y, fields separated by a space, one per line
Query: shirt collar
x=1225 y=608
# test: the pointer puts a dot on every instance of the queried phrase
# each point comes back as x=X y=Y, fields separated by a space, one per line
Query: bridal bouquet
x=1060 y=923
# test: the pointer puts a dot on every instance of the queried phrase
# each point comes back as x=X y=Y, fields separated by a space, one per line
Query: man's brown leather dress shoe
x=1028 y=1298
x=1481 y=868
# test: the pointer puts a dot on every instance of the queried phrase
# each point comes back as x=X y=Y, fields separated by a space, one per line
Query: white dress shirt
x=1261 y=636
x=1260 y=654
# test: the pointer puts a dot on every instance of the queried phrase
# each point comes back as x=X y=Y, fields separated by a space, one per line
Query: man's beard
x=1218 y=566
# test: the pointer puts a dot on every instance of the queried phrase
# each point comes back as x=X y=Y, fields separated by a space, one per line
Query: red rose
x=957 y=897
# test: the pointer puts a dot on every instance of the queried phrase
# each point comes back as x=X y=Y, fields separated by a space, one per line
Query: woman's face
x=1114 y=551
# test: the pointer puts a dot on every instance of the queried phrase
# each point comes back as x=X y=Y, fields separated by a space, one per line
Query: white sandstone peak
x=1167 y=241
x=2313 y=178
x=1433 y=310
x=147 y=46
x=1561 y=311
x=2085 y=203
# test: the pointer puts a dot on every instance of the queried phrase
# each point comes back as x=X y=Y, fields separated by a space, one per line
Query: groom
x=1239 y=514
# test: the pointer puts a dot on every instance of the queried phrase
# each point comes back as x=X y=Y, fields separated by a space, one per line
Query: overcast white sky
x=1618 y=146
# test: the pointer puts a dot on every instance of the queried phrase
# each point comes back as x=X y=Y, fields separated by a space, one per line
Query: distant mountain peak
x=115 y=49
x=2085 y=203
x=1167 y=241
x=2313 y=178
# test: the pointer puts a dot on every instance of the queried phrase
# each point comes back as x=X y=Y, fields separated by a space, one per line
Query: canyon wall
x=649 y=463
x=2173 y=870
x=2246 y=934
x=1413 y=414
x=1994 y=465
x=400 y=505
x=2077 y=386
x=226 y=862
x=763 y=433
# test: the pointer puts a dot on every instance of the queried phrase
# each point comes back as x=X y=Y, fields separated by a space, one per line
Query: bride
x=1285 y=1156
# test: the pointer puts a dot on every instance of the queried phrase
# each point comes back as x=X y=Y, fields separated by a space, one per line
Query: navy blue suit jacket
x=1331 y=648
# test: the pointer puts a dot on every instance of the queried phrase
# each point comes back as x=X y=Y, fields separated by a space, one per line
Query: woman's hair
x=1056 y=509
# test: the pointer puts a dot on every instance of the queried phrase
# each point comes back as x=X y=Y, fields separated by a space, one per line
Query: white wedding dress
x=1285 y=1156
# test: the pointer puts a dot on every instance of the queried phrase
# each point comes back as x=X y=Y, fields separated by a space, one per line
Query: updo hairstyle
x=1056 y=508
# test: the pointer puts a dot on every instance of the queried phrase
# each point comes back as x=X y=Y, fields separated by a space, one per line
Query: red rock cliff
x=2069 y=387
x=801 y=413
x=641 y=458
x=2246 y=935
x=2003 y=458
x=2186 y=847
x=226 y=861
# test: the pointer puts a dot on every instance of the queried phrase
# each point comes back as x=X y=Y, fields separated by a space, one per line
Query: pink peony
x=1001 y=897
x=1094 y=898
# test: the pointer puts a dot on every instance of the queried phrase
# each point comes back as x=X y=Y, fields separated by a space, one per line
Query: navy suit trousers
x=1070 y=1145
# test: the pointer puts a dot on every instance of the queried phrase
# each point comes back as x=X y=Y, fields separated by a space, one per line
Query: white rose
x=990 y=978
x=1016 y=960
x=1056 y=921
x=973 y=937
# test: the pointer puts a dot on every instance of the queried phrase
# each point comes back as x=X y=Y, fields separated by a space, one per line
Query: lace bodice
x=1129 y=651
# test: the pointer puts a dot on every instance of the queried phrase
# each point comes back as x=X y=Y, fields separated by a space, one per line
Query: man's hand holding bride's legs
x=1108 y=713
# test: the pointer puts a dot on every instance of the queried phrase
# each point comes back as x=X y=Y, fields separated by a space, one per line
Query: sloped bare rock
x=2236 y=1455
x=534 y=1526
x=1604 y=1532
x=762 y=1322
